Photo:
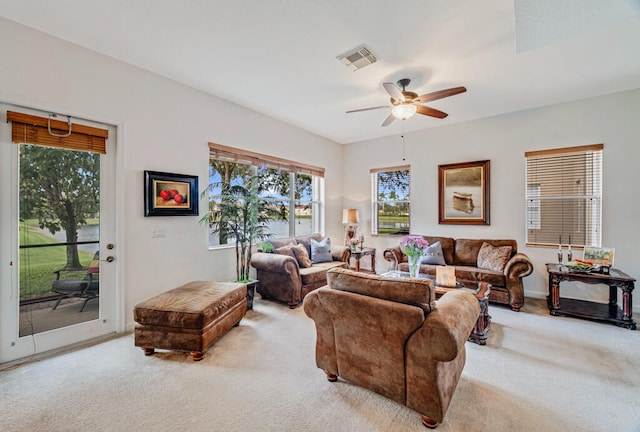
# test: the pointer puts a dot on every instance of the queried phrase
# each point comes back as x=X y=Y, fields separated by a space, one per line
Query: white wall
x=611 y=120
x=163 y=126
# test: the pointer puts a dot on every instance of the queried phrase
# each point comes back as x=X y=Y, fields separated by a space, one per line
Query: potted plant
x=242 y=214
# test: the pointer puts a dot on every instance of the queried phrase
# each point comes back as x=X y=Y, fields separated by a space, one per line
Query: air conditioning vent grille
x=357 y=58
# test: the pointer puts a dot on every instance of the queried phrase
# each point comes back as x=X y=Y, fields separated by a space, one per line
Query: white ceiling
x=278 y=57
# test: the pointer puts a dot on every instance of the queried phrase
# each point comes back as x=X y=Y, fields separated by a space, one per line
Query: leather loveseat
x=284 y=278
x=388 y=335
x=505 y=278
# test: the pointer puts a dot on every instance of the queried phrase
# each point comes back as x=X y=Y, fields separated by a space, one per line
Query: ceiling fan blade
x=368 y=109
x=439 y=94
x=388 y=120
x=431 y=112
x=393 y=91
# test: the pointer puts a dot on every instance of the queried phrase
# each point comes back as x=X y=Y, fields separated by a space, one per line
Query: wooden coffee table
x=479 y=289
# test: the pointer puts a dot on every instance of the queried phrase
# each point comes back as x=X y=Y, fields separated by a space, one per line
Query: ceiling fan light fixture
x=404 y=110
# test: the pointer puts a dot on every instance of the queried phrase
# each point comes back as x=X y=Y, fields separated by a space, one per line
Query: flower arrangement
x=414 y=246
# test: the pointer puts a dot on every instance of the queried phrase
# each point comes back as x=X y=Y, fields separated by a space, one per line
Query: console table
x=611 y=312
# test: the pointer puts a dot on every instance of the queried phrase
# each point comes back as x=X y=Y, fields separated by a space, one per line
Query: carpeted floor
x=537 y=373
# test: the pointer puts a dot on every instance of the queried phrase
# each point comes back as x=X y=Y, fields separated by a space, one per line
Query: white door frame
x=111 y=319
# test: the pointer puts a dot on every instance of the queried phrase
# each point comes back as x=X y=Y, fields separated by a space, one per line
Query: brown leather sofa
x=282 y=278
x=506 y=285
x=388 y=335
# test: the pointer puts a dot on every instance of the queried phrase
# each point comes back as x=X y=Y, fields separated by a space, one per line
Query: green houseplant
x=242 y=214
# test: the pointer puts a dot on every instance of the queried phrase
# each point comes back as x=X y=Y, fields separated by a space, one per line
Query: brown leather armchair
x=281 y=278
x=389 y=335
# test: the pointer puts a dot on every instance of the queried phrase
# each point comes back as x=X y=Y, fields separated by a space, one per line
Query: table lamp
x=350 y=218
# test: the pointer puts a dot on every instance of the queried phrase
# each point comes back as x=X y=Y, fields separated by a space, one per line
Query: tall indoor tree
x=243 y=214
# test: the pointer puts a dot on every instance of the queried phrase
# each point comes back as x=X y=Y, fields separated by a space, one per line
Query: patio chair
x=87 y=288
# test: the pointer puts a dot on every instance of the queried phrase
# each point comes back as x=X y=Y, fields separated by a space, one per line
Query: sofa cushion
x=475 y=274
x=493 y=258
x=301 y=255
x=305 y=240
x=287 y=250
x=466 y=250
x=321 y=251
x=433 y=255
x=447 y=244
x=318 y=272
x=278 y=243
x=415 y=292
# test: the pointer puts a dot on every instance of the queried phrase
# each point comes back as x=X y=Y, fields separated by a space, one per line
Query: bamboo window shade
x=231 y=154
x=30 y=129
x=564 y=196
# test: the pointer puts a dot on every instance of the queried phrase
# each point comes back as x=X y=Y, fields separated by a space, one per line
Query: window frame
x=255 y=161
x=376 y=202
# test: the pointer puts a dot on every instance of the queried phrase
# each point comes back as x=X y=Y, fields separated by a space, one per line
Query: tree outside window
x=391 y=202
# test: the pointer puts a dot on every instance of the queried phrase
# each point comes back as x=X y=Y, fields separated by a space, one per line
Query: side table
x=251 y=292
x=359 y=253
x=611 y=312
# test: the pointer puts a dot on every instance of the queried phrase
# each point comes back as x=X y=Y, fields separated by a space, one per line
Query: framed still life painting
x=167 y=194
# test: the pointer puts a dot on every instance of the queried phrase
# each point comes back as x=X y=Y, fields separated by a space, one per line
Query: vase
x=414 y=266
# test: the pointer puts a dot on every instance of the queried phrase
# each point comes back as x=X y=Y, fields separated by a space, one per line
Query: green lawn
x=38 y=264
x=389 y=224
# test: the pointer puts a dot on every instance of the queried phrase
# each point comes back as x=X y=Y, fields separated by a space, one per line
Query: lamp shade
x=404 y=110
x=350 y=216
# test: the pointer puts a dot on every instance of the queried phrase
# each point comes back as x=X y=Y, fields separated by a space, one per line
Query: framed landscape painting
x=599 y=255
x=463 y=193
x=167 y=194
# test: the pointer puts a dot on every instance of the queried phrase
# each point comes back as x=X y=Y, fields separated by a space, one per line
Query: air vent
x=357 y=58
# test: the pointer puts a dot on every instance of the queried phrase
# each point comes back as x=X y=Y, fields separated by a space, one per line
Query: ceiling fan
x=405 y=104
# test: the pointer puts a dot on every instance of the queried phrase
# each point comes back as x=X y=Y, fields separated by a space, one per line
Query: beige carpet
x=537 y=373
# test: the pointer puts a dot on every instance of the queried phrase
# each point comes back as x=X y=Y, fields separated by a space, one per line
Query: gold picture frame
x=463 y=193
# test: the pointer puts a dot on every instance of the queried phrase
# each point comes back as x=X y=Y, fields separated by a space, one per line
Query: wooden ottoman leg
x=428 y=422
x=148 y=351
x=331 y=377
x=197 y=356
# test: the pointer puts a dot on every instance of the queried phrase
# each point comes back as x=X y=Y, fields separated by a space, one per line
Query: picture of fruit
x=164 y=194
x=173 y=193
x=178 y=198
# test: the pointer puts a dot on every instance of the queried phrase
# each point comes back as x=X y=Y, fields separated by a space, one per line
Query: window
x=390 y=199
x=564 y=196
x=293 y=189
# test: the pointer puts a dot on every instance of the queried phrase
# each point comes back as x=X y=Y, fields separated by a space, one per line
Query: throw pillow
x=287 y=250
x=321 y=251
x=433 y=255
x=301 y=255
x=493 y=258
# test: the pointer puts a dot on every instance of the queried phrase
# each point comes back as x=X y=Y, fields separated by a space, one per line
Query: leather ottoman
x=189 y=318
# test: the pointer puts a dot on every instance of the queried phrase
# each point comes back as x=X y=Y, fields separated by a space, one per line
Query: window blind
x=564 y=196
x=221 y=152
x=30 y=129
